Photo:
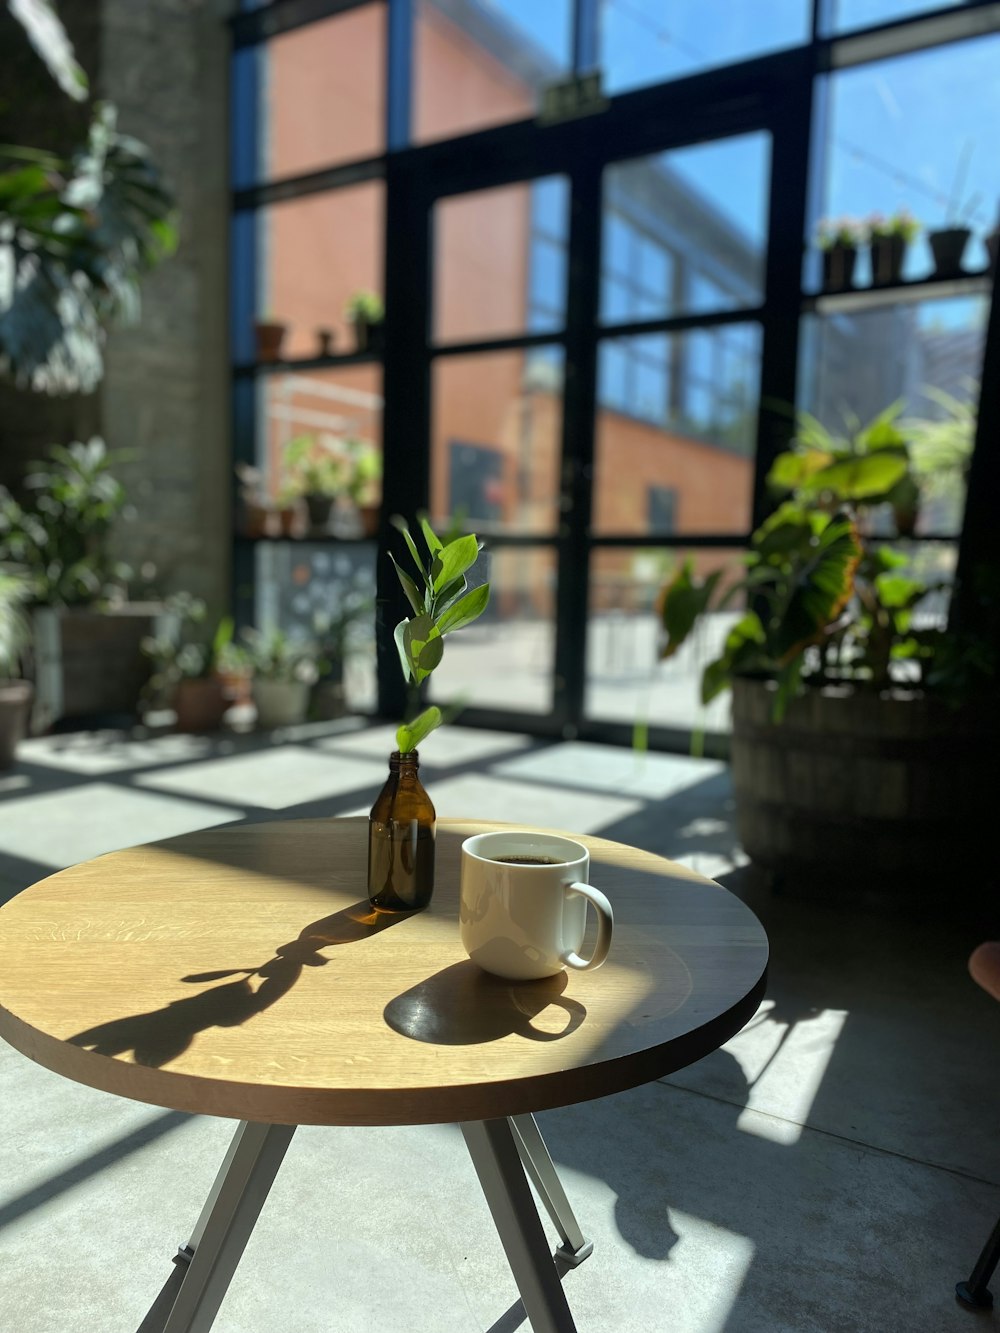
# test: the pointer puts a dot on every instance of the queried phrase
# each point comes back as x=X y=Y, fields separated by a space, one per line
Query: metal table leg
x=227 y=1219
x=543 y=1175
x=975 y=1293
x=493 y=1147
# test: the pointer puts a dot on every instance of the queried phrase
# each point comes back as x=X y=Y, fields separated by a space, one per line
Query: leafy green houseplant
x=365 y=311
x=838 y=240
x=15 y=637
x=189 y=666
x=87 y=632
x=844 y=680
x=889 y=237
x=316 y=472
x=284 y=671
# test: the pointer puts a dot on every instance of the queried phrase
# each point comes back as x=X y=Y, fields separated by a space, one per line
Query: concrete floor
x=835 y=1168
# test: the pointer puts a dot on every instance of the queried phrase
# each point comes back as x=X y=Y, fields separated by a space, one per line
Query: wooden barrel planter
x=864 y=795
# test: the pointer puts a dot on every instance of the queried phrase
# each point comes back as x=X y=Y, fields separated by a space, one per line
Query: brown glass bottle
x=401 y=830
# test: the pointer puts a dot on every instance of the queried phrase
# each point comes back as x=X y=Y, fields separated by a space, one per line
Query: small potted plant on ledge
x=864 y=728
x=269 y=334
x=337 y=634
x=838 y=240
x=889 y=239
x=284 y=671
x=949 y=242
x=15 y=636
x=366 y=314
x=364 y=482
x=317 y=473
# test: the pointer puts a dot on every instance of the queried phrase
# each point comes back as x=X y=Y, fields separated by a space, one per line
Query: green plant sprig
x=442 y=603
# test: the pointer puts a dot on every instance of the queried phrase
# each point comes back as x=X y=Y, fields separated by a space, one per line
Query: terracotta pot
x=15 y=705
x=325 y=338
x=269 y=337
x=948 y=248
x=256 y=518
x=288 y=520
x=236 y=686
x=200 y=704
x=370 y=515
x=280 y=703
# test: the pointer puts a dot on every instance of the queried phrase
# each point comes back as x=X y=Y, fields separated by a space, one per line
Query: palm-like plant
x=15 y=632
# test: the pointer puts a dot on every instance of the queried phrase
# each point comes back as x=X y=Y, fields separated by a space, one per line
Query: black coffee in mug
x=526 y=860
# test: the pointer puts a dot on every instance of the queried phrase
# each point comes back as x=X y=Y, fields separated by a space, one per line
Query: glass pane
x=484 y=64
x=915 y=133
x=848 y=14
x=324 y=93
x=326 y=593
x=678 y=413
x=626 y=682
x=647 y=41
x=494 y=274
x=339 y=413
x=928 y=357
x=496 y=438
x=315 y=253
x=506 y=658
x=687 y=230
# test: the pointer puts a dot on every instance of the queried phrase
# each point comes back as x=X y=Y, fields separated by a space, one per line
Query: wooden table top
x=240 y=972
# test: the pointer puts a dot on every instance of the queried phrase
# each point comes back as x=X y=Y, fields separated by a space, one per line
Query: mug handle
x=605 y=924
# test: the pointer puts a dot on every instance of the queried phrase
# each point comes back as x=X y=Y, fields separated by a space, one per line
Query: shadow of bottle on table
x=463 y=1006
x=162 y=1035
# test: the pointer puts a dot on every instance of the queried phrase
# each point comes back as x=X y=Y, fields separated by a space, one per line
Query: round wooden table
x=240 y=972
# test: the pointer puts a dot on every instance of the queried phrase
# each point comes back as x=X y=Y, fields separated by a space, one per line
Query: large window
x=596 y=332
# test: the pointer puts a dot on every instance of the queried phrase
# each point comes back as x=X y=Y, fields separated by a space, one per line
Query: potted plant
x=948 y=242
x=284 y=670
x=269 y=334
x=838 y=240
x=255 y=514
x=317 y=473
x=366 y=313
x=364 y=482
x=188 y=666
x=15 y=635
x=336 y=634
x=325 y=339
x=889 y=238
x=863 y=728
x=87 y=633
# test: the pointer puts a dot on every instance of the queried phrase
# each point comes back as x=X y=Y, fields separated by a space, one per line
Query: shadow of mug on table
x=463 y=1006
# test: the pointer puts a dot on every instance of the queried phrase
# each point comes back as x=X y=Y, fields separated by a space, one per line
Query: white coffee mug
x=523 y=909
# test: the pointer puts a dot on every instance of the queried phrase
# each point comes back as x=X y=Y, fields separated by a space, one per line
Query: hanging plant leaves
x=409 y=587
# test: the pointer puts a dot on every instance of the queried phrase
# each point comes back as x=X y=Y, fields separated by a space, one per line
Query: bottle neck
x=404 y=764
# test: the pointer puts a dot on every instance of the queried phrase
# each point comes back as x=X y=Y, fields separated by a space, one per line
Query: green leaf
x=423 y=645
x=788 y=529
x=401 y=525
x=453 y=560
x=465 y=611
x=449 y=594
x=861 y=478
x=820 y=588
x=409 y=587
x=789 y=471
x=410 y=734
x=898 y=592
x=434 y=543
x=742 y=650
x=684 y=600
x=397 y=635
